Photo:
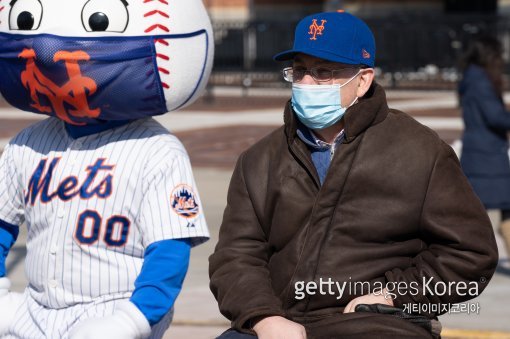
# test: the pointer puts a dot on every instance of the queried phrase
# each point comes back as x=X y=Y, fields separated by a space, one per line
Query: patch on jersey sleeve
x=183 y=201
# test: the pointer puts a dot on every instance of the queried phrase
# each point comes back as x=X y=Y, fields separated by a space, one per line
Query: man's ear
x=366 y=78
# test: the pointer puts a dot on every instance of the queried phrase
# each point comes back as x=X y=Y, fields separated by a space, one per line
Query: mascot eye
x=25 y=15
x=105 y=15
x=98 y=22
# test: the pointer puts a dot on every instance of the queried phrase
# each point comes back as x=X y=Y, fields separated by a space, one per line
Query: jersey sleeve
x=171 y=206
x=11 y=193
x=157 y=289
x=8 y=235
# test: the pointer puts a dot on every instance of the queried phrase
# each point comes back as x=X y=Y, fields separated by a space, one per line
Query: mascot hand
x=126 y=322
x=9 y=303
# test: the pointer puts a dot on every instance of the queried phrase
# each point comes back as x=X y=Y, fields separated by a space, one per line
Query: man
x=341 y=225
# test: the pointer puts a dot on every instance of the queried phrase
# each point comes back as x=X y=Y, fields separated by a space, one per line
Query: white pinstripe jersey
x=92 y=205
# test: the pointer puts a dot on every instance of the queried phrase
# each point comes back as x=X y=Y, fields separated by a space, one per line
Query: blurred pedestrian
x=346 y=193
x=485 y=144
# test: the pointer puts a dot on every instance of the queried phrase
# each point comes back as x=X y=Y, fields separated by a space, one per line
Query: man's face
x=343 y=72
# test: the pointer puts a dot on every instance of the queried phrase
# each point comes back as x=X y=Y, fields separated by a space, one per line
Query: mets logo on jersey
x=183 y=201
x=316 y=29
x=71 y=99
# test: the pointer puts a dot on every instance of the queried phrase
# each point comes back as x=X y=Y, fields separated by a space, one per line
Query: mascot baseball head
x=85 y=61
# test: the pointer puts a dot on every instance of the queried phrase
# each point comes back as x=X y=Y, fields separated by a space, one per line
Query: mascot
x=106 y=193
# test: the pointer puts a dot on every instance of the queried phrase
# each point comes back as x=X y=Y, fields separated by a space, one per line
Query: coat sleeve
x=460 y=249
x=238 y=268
x=493 y=109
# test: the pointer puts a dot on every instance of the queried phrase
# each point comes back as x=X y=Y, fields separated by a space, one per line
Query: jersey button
x=53 y=249
x=76 y=145
x=52 y=283
x=61 y=213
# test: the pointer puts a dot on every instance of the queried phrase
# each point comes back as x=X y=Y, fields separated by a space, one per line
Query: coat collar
x=369 y=111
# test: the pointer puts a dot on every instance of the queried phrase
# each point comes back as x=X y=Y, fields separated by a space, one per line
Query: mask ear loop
x=356 y=98
x=354 y=76
x=353 y=102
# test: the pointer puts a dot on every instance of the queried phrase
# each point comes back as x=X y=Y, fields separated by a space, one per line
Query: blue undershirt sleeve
x=8 y=235
x=160 y=280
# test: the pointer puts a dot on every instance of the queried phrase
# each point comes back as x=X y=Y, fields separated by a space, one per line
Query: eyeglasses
x=319 y=74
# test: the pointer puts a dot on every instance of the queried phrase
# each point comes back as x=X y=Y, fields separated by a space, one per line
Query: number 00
x=88 y=229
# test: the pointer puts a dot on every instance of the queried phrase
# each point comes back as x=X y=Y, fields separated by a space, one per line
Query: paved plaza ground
x=215 y=133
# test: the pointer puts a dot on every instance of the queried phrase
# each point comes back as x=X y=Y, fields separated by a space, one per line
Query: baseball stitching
x=159 y=11
x=1 y=9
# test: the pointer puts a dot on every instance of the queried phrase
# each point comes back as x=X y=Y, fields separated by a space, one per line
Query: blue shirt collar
x=307 y=136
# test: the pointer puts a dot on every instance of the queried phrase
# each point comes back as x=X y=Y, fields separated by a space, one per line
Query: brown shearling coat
x=394 y=207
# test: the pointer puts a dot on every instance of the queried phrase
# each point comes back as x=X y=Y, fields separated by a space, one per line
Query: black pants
x=233 y=334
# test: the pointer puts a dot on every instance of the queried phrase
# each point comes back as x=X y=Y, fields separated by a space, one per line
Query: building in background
x=419 y=38
x=384 y=8
x=244 y=10
x=292 y=9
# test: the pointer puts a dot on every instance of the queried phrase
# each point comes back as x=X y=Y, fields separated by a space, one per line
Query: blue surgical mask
x=82 y=80
x=319 y=106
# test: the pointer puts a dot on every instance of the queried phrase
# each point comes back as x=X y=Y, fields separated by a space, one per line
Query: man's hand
x=279 y=328
x=9 y=303
x=126 y=322
x=378 y=298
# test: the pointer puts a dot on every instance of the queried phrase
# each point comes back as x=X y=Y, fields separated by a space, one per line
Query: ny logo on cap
x=316 y=29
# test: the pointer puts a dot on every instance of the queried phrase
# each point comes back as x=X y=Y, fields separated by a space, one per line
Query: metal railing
x=415 y=51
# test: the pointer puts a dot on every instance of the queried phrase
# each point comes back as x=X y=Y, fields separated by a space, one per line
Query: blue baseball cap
x=333 y=36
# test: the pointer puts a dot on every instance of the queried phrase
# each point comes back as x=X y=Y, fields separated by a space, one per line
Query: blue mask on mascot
x=115 y=64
